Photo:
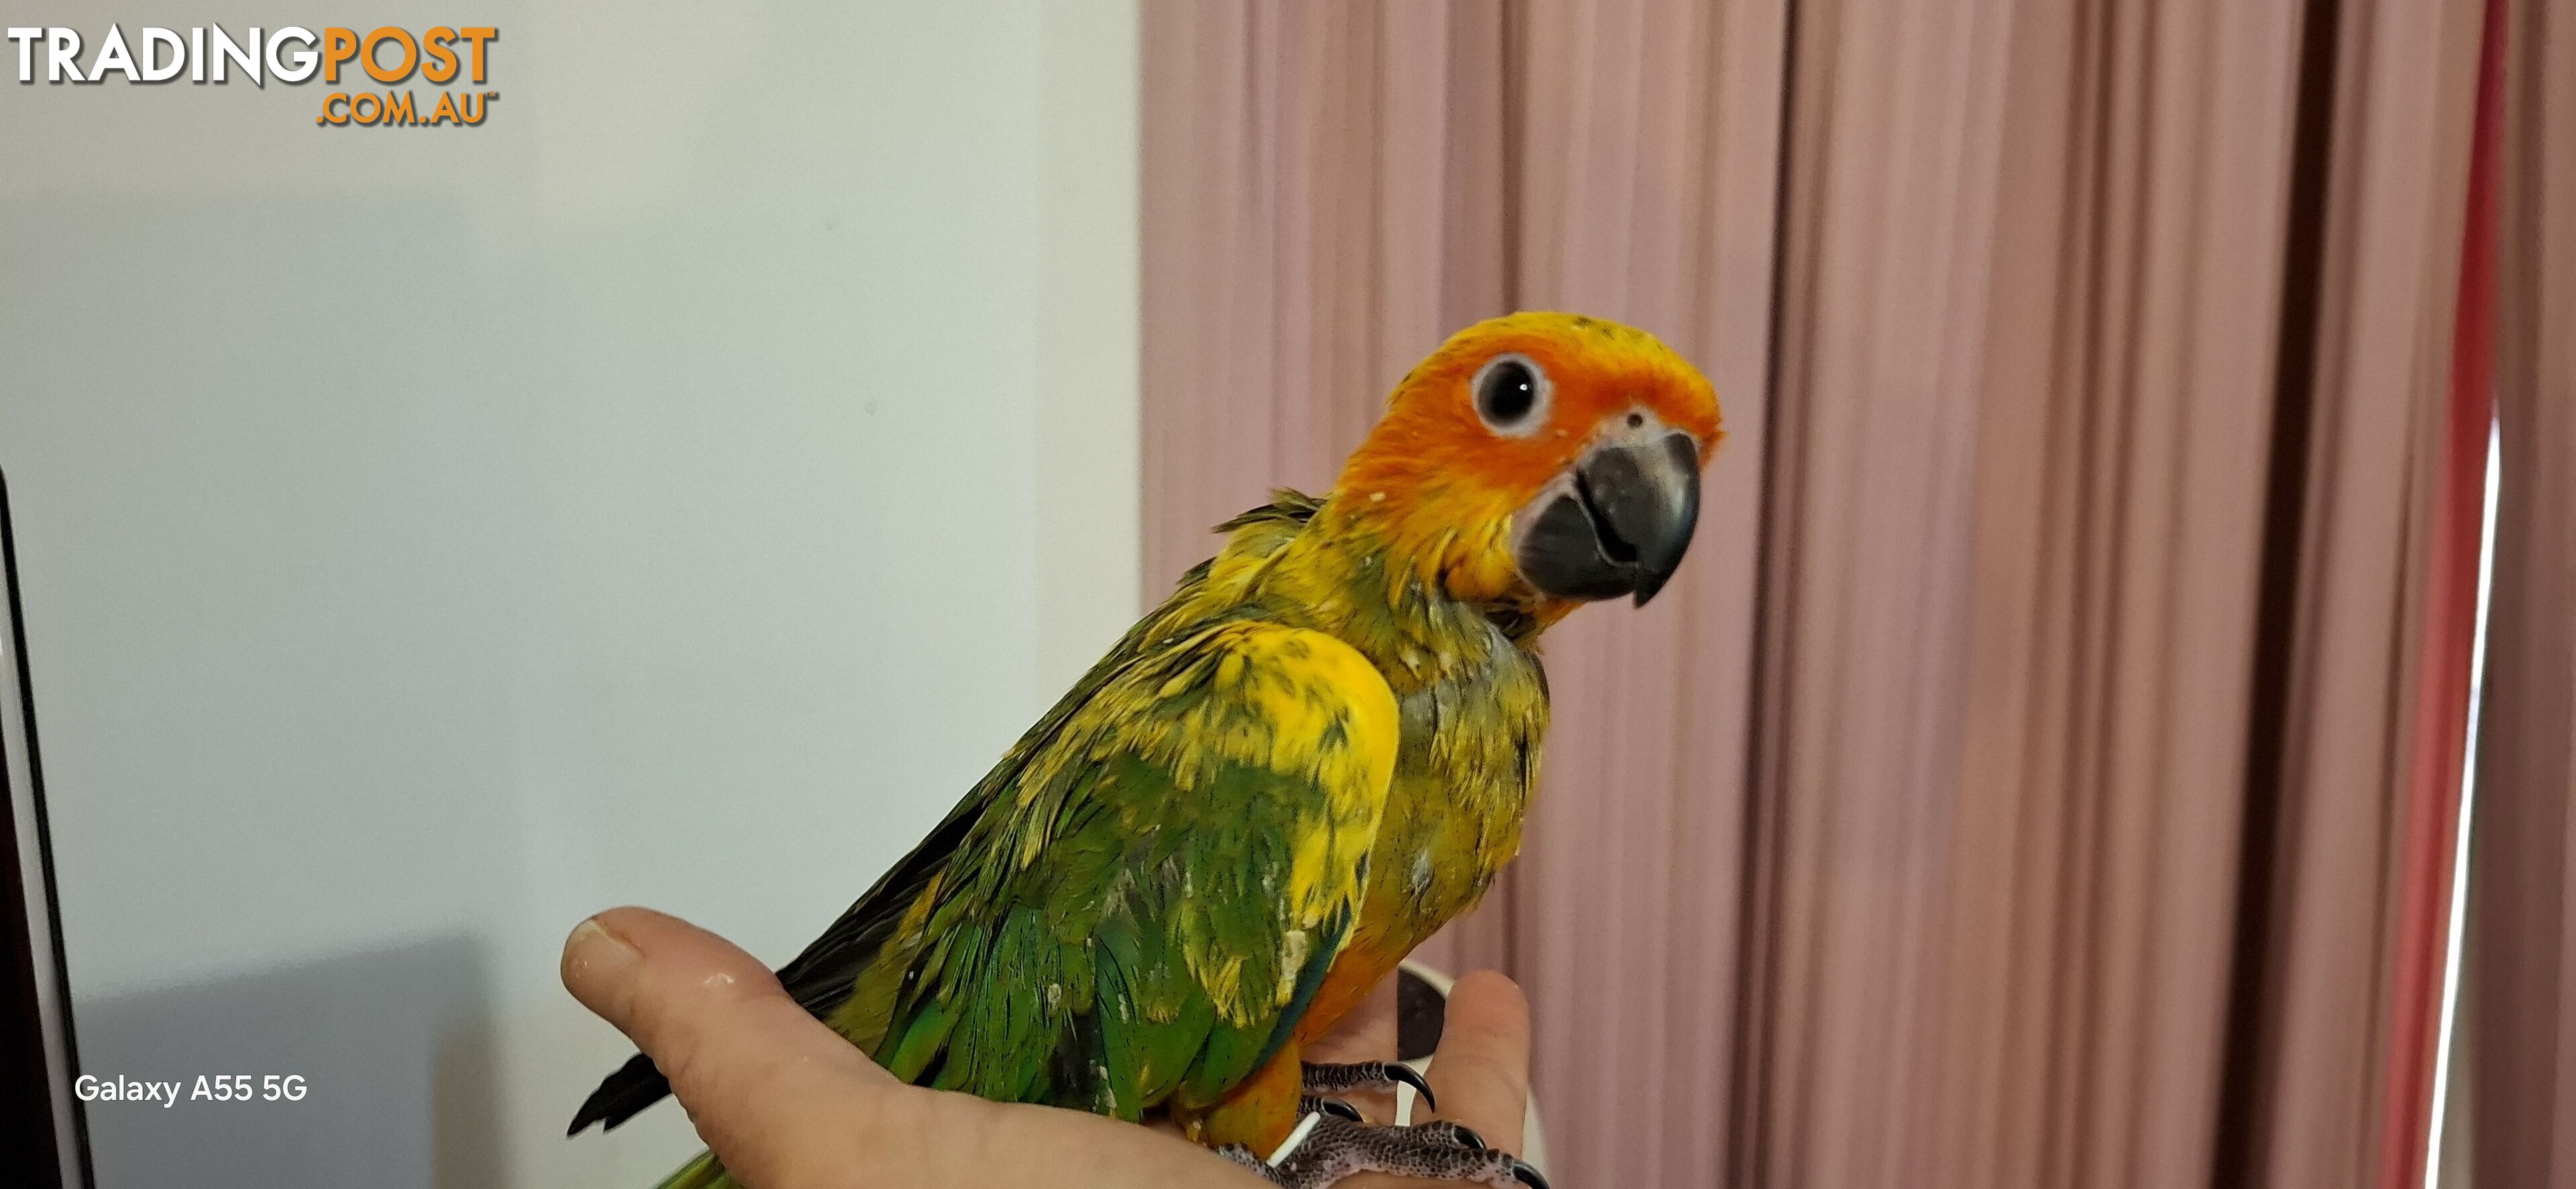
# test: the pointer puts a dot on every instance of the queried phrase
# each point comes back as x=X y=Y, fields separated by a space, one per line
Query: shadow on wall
x=395 y=1047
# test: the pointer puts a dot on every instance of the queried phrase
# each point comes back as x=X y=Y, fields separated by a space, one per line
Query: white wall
x=675 y=491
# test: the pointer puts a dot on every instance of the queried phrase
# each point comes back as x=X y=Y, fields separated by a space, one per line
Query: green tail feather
x=701 y=1173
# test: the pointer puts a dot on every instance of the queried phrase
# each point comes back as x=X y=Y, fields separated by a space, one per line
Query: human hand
x=788 y=1104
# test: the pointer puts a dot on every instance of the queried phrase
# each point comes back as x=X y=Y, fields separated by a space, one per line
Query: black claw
x=1467 y=1137
x=1523 y=1173
x=1397 y=1071
x=1337 y=1108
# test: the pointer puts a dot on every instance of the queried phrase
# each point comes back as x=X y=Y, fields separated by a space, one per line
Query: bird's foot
x=1335 y=1148
x=1363 y=1077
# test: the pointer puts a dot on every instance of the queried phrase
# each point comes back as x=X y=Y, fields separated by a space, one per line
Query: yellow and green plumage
x=1315 y=753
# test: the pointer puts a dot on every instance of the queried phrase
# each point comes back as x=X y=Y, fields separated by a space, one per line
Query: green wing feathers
x=1139 y=916
x=1134 y=907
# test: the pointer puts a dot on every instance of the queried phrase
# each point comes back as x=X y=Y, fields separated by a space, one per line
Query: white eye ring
x=1511 y=393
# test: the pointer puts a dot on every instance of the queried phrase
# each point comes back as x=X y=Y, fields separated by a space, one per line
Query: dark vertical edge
x=2243 y=1059
x=2100 y=419
x=1755 y=978
x=2074 y=364
x=35 y=1140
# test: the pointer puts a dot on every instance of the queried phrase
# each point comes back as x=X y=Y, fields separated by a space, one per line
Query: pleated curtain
x=2010 y=791
x=2515 y=1089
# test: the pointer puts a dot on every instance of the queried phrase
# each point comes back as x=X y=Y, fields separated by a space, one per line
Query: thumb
x=761 y=1078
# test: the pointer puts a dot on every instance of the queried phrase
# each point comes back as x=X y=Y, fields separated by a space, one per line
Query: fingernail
x=598 y=967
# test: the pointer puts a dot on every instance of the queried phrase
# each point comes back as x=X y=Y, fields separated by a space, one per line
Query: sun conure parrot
x=1313 y=755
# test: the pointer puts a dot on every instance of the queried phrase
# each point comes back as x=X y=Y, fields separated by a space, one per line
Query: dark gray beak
x=1618 y=524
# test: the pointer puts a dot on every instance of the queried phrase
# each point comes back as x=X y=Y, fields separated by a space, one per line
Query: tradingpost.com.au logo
x=209 y=54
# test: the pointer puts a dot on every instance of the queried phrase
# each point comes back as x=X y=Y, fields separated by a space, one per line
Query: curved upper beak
x=1617 y=523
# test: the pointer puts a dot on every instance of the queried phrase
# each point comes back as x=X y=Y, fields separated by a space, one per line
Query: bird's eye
x=1511 y=395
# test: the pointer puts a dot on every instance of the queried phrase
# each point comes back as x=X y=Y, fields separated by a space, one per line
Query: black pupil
x=1510 y=390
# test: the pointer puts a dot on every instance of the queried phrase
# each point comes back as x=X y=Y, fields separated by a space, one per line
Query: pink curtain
x=2008 y=793
x=2518 y=1044
x=2427 y=870
x=2114 y=339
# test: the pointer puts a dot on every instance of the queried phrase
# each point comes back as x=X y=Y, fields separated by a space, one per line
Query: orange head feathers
x=1539 y=458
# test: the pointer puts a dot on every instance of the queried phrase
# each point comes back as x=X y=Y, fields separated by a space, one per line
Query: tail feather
x=636 y=1085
